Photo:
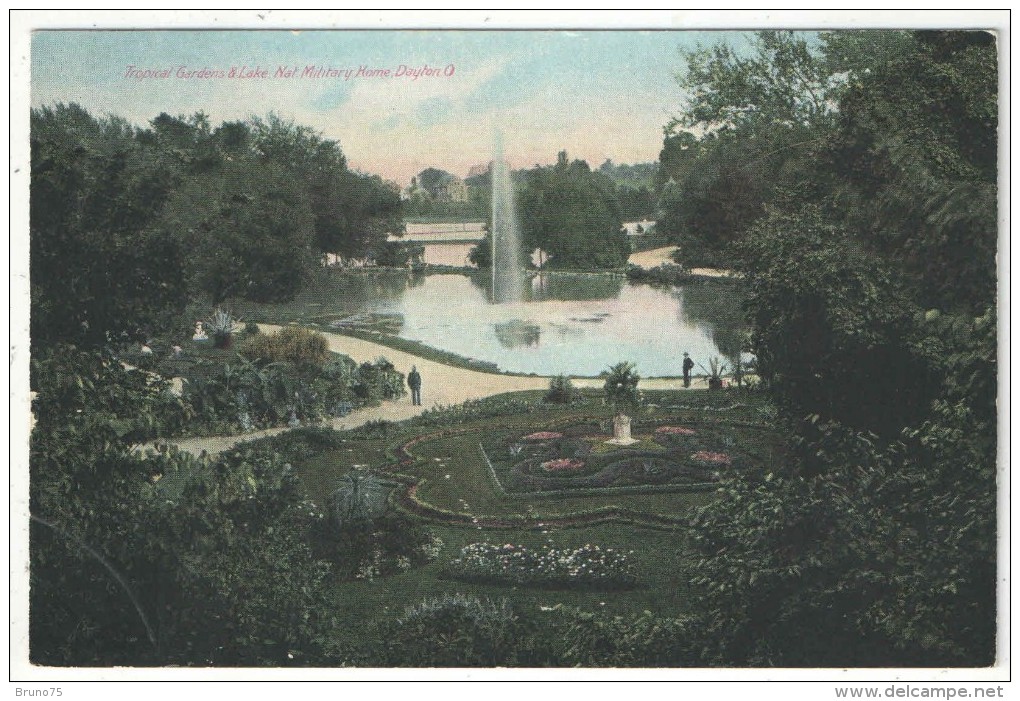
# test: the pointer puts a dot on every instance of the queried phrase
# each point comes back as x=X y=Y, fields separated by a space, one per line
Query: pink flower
x=562 y=465
x=542 y=436
x=714 y=458
x=676 y=431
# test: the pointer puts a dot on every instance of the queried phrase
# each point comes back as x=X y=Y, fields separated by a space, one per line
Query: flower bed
x=562 y=465
x=589 y=566
x=675 y=431
x=706 y=456
x=542 y=436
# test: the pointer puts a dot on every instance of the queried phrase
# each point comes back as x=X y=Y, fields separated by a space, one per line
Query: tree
x=780 y=84
x=872 y=542
x=573 y=215
x=248 y=228
x=825 y=316
x=99 y=273
x=354 y=212
x=917 y=164
x=747 y=136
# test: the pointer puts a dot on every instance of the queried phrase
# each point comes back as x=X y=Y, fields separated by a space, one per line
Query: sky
x=596 y=94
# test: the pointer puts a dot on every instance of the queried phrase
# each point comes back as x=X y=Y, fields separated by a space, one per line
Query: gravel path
x=442 y=385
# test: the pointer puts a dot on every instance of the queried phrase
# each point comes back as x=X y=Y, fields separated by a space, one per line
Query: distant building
x=479 y=170
x=451 y=189
x=438 y=185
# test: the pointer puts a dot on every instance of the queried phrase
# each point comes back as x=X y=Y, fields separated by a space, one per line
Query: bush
x=588 y=566
x=377 y=381
x=561 y=391
x=252 y=329
x=621 y=387
x=599 y=640
x=299 y=346
x=384 y=547
x=464 y=631
x=451 y=631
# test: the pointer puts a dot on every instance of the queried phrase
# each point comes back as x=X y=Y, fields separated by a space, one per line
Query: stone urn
x=621 y=431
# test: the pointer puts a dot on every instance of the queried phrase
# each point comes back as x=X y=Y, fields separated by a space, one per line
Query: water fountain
x=507 y=276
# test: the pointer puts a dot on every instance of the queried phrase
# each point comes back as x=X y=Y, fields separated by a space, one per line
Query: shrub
x=588 y=566
x=561 y=391
x=452 y=631
x=374 y=382
x=252 y=329
x=586 y=639
x=221 y=326
x=293 y=344
x=387 y=546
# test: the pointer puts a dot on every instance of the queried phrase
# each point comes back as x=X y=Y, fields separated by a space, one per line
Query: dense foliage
x=158 y=559
x=573 y=215
x=248 y=394
x=867 y=239
x=127 y=223
x=464 y=631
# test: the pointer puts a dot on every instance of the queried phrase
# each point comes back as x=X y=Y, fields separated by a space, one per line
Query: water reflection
x=718 y=307
x=575 y=324
x=560 y=286
x=516 y=333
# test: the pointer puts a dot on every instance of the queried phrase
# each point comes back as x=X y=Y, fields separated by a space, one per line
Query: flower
x=562 y=465
x=710 y=457
x=675 y=431
x=542 y=436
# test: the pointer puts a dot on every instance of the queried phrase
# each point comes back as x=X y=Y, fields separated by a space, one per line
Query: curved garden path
x=442 y=385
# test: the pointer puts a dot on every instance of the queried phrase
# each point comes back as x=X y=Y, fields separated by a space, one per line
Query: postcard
x=441 y=347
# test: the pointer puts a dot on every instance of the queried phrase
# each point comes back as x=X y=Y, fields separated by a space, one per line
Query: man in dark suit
x=688 y=366
x=414 y=382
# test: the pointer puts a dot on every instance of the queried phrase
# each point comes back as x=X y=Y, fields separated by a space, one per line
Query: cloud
x=337 y=94
x=432 y=111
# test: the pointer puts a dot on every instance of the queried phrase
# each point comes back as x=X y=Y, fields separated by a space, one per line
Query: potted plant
x=714 y=371
x=221 y=328
x=622 y=394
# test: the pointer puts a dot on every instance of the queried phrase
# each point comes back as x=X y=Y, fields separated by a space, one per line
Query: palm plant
x=620 y=386
x=621 y=390
x=360 y=497
x=221 y=326
x=715 y=371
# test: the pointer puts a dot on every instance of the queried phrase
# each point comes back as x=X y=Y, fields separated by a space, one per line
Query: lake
x=577 y=324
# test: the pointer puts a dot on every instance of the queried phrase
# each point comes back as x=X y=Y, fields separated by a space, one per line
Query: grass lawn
x=658 y=554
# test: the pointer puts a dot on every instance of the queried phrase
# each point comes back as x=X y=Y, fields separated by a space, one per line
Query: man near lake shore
x=414 y=382
x=688 y=366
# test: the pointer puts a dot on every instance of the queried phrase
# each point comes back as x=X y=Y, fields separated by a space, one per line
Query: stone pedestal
x=621 y=431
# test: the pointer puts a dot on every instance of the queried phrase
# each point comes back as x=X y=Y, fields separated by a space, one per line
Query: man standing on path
x=414 y=382
x=688 y=366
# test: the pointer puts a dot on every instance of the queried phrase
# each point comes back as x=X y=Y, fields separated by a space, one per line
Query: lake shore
x=442 y=385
